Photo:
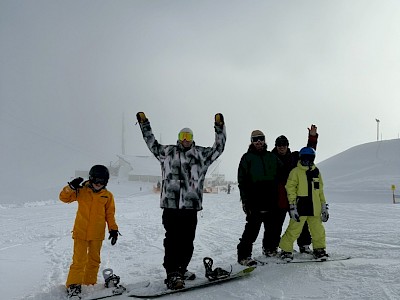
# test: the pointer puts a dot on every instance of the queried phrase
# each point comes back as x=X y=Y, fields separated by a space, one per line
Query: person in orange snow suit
x=96 y=207
x=184 y=167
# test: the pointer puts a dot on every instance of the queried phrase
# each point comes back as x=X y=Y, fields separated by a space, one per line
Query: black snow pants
x=180 y=230
x=272 y=221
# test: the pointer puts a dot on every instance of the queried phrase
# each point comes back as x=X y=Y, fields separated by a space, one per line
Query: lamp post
x=377 y=129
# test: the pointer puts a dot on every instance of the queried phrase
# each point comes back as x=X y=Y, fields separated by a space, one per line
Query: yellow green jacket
x=95 y=209
x=307 y=194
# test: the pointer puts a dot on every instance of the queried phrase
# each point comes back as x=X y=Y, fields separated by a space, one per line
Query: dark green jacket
x=258 y=177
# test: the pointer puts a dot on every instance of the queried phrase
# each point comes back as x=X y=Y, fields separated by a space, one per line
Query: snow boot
x=305 y=249
x=270 y=252
x=174 y=281
x=74 y=291
x=248 y=262
x=320 y=253
x=286 y=256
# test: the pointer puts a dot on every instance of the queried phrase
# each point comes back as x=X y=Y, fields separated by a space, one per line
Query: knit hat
x=185 y=134
x=186 y=129
x=257 y=133
x=281 y=141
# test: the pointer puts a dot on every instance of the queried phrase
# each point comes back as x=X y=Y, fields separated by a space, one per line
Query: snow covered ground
x=36 y=247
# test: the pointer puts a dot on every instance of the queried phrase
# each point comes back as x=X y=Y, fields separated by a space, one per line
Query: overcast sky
x=72 y=71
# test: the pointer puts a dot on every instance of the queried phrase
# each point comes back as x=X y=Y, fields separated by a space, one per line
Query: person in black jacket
x=258 y=178
x=289 y=160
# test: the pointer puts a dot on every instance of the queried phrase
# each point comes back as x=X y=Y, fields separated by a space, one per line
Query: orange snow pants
x=85 y=262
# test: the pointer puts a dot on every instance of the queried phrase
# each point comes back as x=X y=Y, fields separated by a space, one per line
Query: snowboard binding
x=217 y=273
x=111 y=280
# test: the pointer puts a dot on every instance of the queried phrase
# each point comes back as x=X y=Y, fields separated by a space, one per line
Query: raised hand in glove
x=113 y=236
x=324 y=212
x=293 y=213
x=141 y=117
x=75 y=184
x=219 y=119
x=312 y=130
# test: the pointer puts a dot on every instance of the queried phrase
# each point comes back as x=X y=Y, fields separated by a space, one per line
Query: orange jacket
x=94 y=210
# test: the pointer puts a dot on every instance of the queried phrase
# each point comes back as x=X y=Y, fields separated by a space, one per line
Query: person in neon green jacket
x=305 y=190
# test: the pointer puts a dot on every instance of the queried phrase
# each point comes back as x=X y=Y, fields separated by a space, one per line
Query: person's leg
x=291 y=234
x=317 y=231
x=172 y=250
x=188 y=233
x=93 y=262
x=304 y=240
x=249 y=236
x=79 y=259
x=273 y=222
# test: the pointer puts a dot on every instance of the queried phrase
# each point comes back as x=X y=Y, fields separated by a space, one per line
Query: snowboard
x=301 y=258
x=158 y=288
x=106 y=293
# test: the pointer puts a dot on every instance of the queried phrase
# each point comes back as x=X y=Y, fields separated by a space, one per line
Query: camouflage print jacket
x=183 y=170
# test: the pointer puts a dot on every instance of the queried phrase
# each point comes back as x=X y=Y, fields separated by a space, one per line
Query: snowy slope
x=36 y=244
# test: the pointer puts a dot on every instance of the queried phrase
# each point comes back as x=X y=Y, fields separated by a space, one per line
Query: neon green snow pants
x=294 y=229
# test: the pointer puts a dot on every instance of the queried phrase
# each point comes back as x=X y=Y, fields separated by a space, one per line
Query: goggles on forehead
x=255 y=139
x=185 y=136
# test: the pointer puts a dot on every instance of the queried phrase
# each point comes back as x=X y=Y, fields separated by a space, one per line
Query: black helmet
x=99 y=174
x=281 y=141
x=307 y=156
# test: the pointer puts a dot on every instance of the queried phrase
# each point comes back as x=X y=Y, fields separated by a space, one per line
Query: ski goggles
x=185 y=136
x=102 y=181
x=255 y=139
x=281 y=144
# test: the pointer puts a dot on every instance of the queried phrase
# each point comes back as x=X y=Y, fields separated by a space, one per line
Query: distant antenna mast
x=123 y=134
x=377 y=129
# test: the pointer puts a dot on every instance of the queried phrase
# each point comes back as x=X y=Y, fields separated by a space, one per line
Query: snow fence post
x=394 y=197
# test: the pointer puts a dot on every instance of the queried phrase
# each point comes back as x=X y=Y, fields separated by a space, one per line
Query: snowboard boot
x=248 y=262
x=305 y=249
x=74 y=291
x=320 y=254
x=174 y=281
x=270 y=252
x=286 y=256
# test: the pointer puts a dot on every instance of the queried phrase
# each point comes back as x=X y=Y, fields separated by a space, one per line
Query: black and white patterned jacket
x=183 y=170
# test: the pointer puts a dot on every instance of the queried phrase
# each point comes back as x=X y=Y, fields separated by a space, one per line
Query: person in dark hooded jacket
x=289 y=160
x=259 y=174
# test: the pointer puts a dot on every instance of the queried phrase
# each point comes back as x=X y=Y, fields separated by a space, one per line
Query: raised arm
x=210 y=154
x=312 y=137
x=157 y=149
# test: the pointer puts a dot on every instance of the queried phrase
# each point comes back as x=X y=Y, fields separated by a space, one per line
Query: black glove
x=113 y=236
x=75 y=184
x=141 y=117
x=219 y=120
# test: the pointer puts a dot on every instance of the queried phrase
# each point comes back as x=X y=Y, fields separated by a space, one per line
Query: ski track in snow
x=38 y=247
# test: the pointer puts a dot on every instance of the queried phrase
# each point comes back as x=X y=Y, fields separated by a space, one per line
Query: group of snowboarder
x=271 y=183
